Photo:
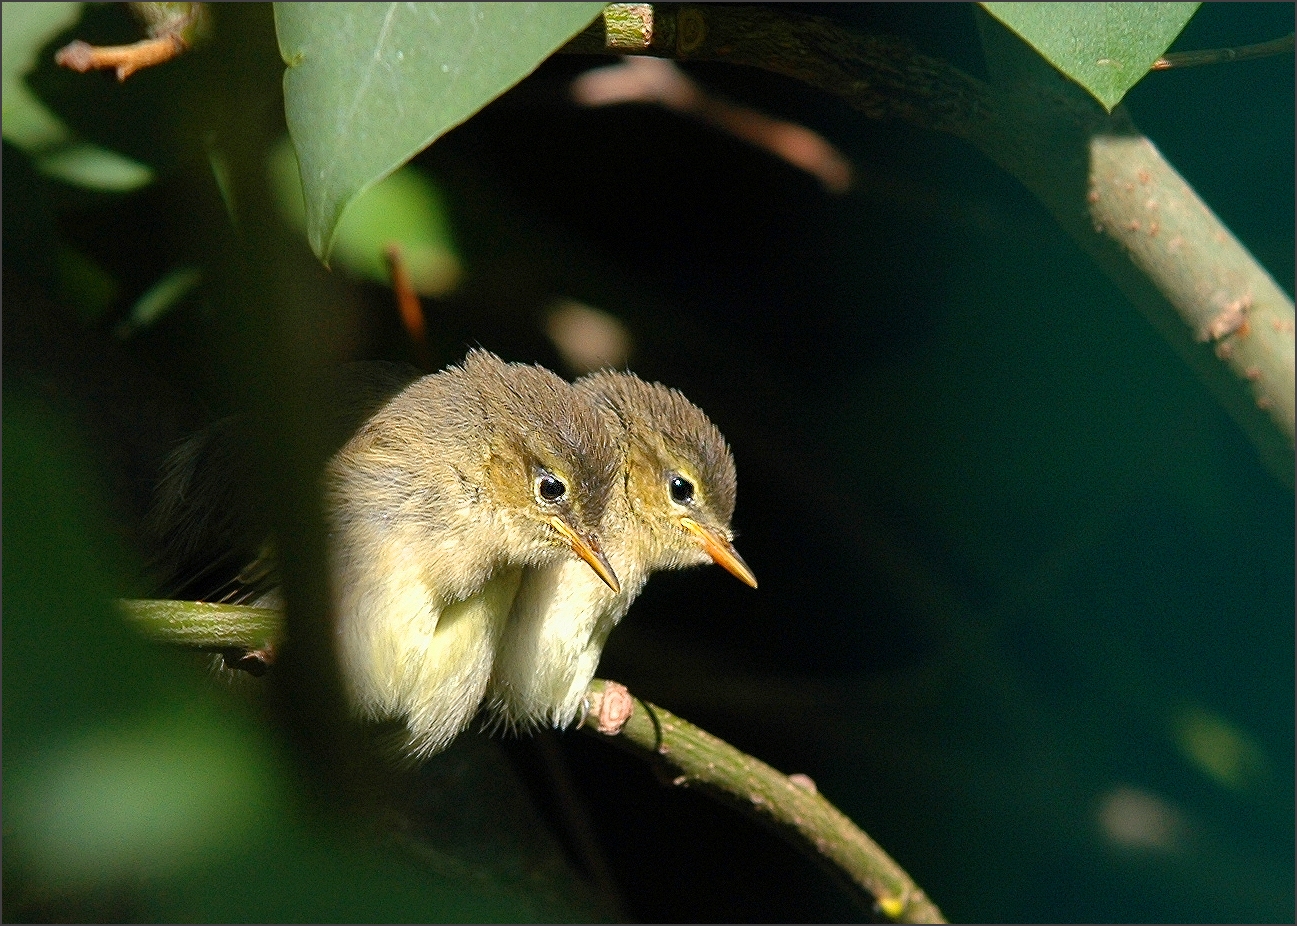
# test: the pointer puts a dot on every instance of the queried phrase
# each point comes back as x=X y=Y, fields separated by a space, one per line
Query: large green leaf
x=1105 y=47
x=369 y=85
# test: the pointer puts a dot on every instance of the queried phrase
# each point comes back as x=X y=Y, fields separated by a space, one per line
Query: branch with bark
x=1104 y=182
x=788 y=804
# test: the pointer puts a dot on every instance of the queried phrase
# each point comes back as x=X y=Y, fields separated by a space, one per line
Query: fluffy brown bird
x=451 y=487
x=670 y=507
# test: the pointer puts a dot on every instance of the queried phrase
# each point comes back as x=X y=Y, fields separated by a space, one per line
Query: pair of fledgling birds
x=489 y=525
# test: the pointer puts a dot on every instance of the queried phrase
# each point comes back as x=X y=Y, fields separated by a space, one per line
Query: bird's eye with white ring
x=681 y=489
x=549 y=488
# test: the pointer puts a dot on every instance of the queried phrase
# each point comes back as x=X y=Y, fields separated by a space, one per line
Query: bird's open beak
x=588 y=549
x=721 y=551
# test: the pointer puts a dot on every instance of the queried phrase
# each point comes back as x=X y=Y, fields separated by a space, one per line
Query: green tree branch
x=687 y=756
x=790 y=805
x=1105 y=183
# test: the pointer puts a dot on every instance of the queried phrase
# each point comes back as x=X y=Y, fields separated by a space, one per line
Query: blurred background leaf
x=27 y=27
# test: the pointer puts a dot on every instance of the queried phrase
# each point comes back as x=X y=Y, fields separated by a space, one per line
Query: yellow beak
x=721 y=551
x=587 y=548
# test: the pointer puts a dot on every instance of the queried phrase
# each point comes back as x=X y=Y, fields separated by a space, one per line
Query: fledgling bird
x=670 y=507
x=435 y=506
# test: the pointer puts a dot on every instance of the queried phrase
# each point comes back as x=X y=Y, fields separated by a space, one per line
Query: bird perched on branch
x=670 y=507
x=435 y=505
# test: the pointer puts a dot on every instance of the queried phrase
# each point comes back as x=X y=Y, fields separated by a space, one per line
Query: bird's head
x=549 y=460
x=678 y=476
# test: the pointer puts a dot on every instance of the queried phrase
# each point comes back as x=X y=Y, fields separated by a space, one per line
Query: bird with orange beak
x=670 y=507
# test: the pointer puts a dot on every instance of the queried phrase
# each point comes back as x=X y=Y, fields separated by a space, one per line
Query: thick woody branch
x=1106 y=184
x=878 y=75
x=788 y=804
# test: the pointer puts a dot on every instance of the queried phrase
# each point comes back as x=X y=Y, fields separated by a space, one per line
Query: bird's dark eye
x=682 y=490
x=550 y=488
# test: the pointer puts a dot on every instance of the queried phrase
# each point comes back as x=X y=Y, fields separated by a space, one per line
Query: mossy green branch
x=205 y=626
x=788 y=804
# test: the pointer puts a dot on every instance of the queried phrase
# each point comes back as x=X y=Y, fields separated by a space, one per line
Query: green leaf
x=405 y=209
x=1105 y=47
x=369 y=85
x=27 y=28
x=160 y=298
x=94 y=168
x=148 y=794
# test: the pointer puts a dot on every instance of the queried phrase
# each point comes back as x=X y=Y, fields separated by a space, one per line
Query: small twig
x=881 y=76
x=658 y=81
x=173 y=29
x=1193 y=59
x=789 y=804
x=127 y=59
x=407 y=303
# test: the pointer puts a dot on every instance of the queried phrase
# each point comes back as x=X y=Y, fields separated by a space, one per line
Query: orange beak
x=587 y=548
x=721 y=551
